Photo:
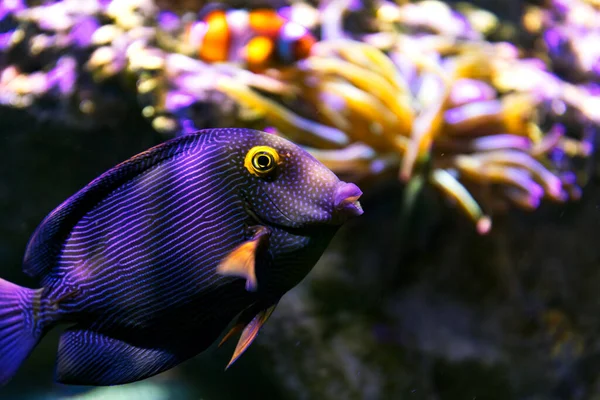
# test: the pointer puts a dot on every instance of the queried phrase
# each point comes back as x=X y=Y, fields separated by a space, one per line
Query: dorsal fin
x=45 y=244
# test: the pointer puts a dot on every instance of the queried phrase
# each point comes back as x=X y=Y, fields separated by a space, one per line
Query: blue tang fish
x=151 y=261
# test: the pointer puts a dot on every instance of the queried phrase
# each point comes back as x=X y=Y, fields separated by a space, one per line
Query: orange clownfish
x=259 y=38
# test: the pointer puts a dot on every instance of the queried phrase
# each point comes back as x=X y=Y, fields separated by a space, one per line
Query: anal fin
x=86 y=357
x=249 y=332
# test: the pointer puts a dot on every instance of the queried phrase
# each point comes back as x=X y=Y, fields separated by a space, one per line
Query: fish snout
x=345 y=202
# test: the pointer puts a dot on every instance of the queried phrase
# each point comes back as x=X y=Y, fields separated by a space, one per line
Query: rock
x=509 y=316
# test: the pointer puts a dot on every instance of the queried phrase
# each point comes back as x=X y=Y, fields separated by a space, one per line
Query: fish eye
x=261 y=160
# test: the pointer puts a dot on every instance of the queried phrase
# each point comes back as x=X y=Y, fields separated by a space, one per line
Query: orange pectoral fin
x=241 y=261
x=249 y=334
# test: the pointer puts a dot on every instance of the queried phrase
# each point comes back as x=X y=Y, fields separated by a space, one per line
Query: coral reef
x=427 y=98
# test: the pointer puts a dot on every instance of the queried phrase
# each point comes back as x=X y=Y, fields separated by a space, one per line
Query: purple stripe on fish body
x=87 y=356
x=102 y=359
x=45 y=245
x=153 y=244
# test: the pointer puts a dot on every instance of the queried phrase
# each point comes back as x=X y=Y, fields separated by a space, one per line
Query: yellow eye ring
x=261 y=160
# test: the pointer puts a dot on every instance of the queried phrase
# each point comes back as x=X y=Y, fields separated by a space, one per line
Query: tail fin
x=19 y=308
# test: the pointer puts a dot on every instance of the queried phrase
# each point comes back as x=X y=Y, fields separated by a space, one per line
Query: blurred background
x=471 y=128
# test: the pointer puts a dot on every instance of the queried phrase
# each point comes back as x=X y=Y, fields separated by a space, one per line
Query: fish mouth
x=345 y=206
x=345 y=202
